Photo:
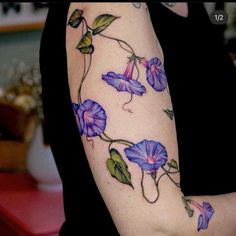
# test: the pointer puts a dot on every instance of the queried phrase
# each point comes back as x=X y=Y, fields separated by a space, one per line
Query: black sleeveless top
x=202 y=81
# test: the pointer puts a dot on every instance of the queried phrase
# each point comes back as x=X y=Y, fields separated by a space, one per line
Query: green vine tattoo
x=150 y=155
x=121 y=82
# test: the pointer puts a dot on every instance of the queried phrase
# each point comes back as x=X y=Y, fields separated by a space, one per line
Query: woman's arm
x=125 y=117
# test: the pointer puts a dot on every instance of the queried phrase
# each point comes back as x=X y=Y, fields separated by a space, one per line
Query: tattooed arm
x=124 y=114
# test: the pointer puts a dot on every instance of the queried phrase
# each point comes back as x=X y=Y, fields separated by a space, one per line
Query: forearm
x=173 y=220
x=224 y=220
x=170 y=218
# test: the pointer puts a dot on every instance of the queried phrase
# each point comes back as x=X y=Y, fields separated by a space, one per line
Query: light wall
x=18 y=46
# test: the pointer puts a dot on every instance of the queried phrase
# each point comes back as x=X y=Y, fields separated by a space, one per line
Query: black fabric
x=85 y=210
x=202 y=81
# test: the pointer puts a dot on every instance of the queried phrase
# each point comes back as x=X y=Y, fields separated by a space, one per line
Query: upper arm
x=121 y=103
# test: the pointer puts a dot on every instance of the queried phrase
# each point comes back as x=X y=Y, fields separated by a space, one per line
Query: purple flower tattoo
x=149 y=155
x=155 y=73
x=206 y=213
x=90 y=118
x=125 y=83
x=75 y=107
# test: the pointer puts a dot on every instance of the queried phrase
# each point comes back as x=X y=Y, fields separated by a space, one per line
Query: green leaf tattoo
x=101 y=22
x=169 y=113
x=76 y=18
x=189 y=210
x=85 y=45
x=118 y=168
x=173 y=164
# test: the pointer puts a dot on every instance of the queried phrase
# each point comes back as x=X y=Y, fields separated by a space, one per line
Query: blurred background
x=30 y=186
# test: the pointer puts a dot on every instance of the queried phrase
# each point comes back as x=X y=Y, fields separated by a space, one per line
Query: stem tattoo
x=150 y=155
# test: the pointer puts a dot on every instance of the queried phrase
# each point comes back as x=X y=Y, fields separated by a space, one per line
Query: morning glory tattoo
x=150 y=155
x=206 y=212
x=123 y=82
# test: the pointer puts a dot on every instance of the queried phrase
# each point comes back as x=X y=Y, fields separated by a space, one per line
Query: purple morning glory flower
x=125 y=83
x=149 y=155
x=155 y=73
x=90 y=118
x=206 y=213
x=75 y=107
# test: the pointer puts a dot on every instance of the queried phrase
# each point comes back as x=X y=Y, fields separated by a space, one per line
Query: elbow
x=172 y=218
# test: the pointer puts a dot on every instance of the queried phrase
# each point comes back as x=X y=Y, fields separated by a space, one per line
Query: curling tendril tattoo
x=150 y=155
